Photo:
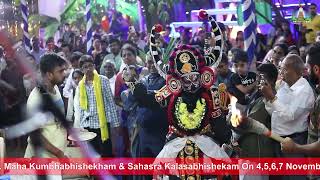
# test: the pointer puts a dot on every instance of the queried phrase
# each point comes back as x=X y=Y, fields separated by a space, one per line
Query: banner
x=151 y=166
x=51 y=8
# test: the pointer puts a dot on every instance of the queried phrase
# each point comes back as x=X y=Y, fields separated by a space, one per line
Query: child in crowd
x=243 y=81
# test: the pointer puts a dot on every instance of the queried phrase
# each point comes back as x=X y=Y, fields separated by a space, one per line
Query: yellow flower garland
x=189 y=120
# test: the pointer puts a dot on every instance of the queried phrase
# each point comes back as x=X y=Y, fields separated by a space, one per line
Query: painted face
x=191 y=82
x=109 y=69
x=287 y=72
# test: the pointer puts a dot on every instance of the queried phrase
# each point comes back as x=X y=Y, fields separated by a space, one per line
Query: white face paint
x=191 y=82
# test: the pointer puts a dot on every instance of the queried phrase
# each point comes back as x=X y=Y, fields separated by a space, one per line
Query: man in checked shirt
x=95 y=109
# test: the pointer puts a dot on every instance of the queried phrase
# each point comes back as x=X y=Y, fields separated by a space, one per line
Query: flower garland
x=187 y=120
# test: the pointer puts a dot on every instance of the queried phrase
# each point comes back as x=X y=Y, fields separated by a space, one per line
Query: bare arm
x=289 y=146
x=310 y=149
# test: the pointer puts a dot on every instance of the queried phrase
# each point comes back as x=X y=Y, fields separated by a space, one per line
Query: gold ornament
x=184 y=57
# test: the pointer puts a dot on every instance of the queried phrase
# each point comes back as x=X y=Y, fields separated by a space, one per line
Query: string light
x=2 y=8
x=12 y=7
x=16 y=28
x=32 y=7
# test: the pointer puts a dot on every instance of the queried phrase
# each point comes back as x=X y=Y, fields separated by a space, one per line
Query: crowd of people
x=96 y=91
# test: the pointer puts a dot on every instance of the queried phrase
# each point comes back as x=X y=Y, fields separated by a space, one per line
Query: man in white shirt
x=110 y=71
x=291 y=105
x=313 y=148
x=53 y=135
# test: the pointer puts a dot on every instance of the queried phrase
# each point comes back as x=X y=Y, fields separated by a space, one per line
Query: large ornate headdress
x=185 y=59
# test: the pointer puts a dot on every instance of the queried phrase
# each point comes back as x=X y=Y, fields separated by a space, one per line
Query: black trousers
x=299 y=138
x=103 y=148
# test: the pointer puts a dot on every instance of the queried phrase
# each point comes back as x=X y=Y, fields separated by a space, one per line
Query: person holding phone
x=290 y=107
x=313 y=146
x=134 y=36
x=260 y=146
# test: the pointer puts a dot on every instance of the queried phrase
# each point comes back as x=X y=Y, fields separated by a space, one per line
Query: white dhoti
x=171 y=150
x=205 y=144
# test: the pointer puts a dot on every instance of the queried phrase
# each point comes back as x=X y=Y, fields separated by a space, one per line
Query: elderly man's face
x=77 y=78
x=109 y=70
x=287 y=72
